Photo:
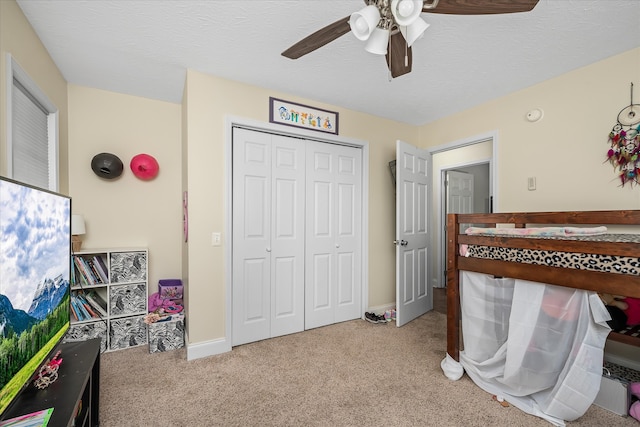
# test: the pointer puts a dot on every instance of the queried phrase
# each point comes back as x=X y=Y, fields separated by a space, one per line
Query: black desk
x=78 y=381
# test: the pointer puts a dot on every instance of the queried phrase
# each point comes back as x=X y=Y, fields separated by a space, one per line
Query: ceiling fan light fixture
x=405 y=12
x=415 y=31
x=364 y=21
x=378 y=41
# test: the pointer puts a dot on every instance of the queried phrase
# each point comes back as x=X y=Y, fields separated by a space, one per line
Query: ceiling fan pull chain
x=389 y=75
x=390 y=53
x=406 y=54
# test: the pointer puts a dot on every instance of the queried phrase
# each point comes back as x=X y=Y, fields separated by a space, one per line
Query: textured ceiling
x=143 y=48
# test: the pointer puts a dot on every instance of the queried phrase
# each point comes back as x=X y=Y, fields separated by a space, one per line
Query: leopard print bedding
x=580 y=261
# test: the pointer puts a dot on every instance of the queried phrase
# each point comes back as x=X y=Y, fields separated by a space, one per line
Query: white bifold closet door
x=333 y=234
x=268 y=235
x=297 y=235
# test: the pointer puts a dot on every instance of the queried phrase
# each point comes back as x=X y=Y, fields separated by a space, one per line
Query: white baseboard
x=380 y=309
x=207 y=348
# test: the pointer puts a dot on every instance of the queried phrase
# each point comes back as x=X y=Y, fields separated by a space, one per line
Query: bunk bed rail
x=611 y=283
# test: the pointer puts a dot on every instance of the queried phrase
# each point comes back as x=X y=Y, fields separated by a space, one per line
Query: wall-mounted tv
x=35 y=261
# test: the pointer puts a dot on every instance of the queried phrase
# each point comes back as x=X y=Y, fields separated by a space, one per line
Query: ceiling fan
x=392 y=26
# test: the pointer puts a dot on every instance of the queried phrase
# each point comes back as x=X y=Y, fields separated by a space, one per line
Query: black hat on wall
x=107 y=165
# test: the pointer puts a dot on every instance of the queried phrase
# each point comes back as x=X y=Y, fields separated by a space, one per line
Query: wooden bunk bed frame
x=611 y=283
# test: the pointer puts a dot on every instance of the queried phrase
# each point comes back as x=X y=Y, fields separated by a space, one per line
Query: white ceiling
x=143 y=48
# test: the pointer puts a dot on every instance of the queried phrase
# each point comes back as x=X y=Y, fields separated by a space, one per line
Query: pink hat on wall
x=144 y=166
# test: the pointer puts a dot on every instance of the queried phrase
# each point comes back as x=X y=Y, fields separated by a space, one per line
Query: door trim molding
x=243 y=122
x=437 y=276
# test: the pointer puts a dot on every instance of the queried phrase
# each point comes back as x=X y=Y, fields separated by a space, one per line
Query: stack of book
x=87 y=306
x=89 y=270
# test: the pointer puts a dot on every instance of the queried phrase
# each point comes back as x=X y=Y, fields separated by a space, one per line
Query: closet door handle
x=268 y=249
x=337 y=245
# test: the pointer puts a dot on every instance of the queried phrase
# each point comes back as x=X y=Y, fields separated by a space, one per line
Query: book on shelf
x=77 y=278
x=95 y=301
x=88 y=308
x=82 y=309
x=85 y=276
x=102 y=268
x=79 y=310
x=73 y=313
x=88 y=270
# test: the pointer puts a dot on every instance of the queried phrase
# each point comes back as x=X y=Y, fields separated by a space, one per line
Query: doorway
x=466 y=190
x=474 y=156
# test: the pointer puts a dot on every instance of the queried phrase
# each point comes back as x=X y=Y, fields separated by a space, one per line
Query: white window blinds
x=30 y=139
x=32 y=130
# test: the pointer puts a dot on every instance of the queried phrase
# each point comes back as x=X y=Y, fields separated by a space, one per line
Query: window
x=32 y=131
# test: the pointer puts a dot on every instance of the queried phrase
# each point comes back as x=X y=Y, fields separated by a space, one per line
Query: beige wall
x=566 y=150
x=128 y=212
x=208 y=101
x=18 y=39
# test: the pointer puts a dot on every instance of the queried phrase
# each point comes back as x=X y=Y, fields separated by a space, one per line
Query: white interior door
x=334 y=253
x=413 y=291
x=251 y=236
x=268 y=235
x=459 y=192
x=287 y=235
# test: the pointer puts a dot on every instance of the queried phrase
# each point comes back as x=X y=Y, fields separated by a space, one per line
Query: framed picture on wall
x=302 y=116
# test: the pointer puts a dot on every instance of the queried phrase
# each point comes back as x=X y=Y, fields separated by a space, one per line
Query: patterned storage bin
x=166 y=335
x=128 y=267
x=128 y=299
x=127 y=332
x=85 y=331
x=614 y=394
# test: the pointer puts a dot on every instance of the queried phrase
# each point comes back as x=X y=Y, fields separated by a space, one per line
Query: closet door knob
x=268 y=249
x=337 y=245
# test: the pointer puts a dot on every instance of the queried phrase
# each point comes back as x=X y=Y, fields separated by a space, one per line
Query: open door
x=413 y=290
x=459 y=192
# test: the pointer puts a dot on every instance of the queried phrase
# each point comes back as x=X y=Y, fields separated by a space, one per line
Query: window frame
x=15 y=71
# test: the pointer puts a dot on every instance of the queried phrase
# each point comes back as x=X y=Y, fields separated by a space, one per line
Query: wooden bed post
x=453 y=288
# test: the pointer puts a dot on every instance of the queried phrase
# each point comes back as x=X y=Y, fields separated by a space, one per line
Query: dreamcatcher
x=624 y=139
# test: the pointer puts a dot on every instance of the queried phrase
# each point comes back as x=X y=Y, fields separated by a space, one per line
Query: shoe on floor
x=374 y=318
x=370 y=317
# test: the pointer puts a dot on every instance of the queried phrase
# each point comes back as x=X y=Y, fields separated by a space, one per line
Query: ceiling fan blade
x=318 y=39
x=396 y=54
x=480 y=7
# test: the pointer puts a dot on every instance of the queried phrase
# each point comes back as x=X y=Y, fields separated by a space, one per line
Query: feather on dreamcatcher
x=624 y=140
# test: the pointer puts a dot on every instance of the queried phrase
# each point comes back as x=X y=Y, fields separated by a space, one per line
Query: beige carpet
x=349 y=374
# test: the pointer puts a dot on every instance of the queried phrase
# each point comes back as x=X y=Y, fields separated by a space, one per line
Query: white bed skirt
x=538 y=346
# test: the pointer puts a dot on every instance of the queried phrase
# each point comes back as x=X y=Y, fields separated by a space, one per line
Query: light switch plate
x=216 y=239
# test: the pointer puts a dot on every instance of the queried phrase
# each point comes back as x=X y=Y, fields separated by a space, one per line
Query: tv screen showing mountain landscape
x=34 y=281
